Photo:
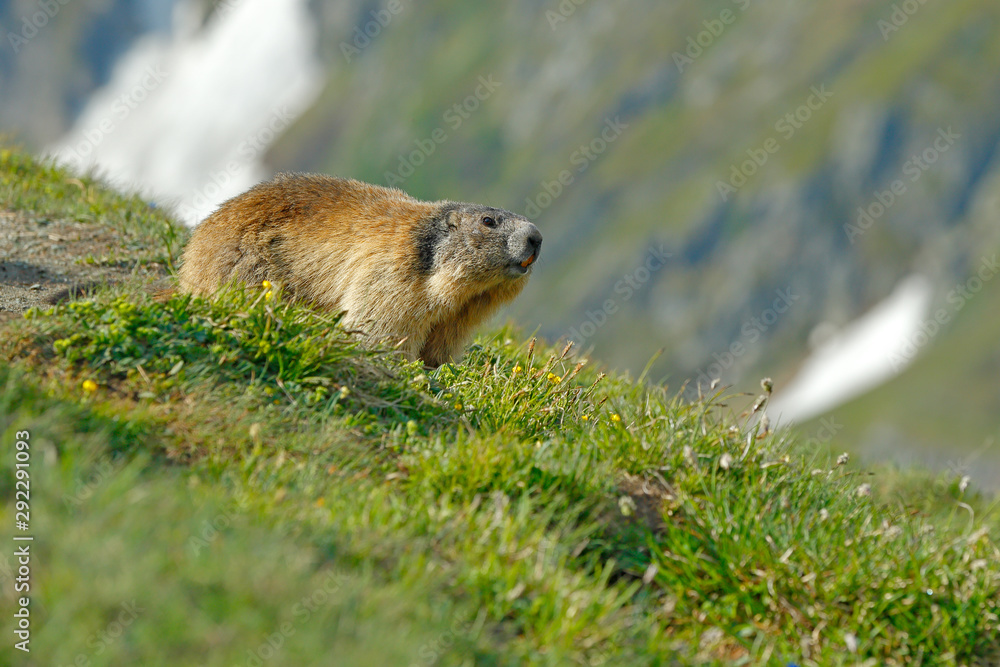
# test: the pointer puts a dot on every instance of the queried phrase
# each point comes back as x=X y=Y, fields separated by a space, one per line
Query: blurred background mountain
x=806 y=190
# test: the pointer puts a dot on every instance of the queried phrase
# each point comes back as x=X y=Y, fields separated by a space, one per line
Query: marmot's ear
x=448 y=217
x=452 y=218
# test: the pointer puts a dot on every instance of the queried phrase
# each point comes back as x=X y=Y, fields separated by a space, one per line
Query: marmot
x=401 y=269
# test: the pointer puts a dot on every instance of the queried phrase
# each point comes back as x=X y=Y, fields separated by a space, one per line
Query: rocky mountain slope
x=739 y=138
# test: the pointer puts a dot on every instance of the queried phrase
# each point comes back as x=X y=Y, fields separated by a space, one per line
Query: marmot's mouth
x=518 y=268
x=526 y=263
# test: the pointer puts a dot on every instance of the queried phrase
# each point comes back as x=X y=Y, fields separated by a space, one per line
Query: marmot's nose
x=534 y=240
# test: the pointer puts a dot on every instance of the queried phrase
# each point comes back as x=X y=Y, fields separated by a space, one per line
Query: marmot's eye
x=489 y=222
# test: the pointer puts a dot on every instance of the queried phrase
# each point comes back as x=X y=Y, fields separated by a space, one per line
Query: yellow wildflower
x=266 y=284
x=517 y=369
x=615 y=418
x=89 y=385
x=268 y=295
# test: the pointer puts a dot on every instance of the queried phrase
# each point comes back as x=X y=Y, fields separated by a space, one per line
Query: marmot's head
x=478 y=243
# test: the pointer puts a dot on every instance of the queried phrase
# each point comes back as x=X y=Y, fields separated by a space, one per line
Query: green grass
x=244 y=473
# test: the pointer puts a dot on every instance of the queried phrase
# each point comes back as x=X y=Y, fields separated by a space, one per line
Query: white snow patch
x=872 y=349
x=186 y=118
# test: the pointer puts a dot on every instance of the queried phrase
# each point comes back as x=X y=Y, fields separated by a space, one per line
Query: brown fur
x=399 y=268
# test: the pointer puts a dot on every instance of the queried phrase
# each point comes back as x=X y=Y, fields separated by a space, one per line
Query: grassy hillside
x=613 y=128
x=237 y=482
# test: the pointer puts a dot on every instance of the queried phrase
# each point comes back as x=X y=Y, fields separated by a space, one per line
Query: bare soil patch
x=40 y=257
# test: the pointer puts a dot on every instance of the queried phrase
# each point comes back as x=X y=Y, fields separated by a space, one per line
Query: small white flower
x=843 y=459
x=963 y=484
x=864 y=490
x=689 y=455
